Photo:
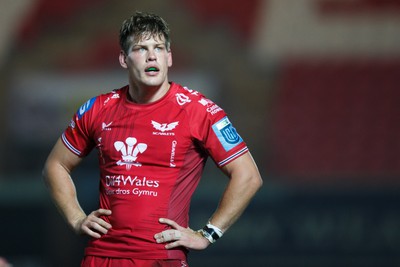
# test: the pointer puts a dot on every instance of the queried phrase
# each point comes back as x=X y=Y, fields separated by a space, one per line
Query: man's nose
x=151 y=55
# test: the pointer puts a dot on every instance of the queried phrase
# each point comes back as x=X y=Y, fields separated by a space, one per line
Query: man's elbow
x=256 y=181
x=49 y=171
x=45 y=174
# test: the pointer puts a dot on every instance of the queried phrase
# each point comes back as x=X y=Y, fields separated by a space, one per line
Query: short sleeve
x=77 y=136
x=211 y=126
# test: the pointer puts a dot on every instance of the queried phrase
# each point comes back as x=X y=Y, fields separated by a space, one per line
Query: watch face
x=207 y=235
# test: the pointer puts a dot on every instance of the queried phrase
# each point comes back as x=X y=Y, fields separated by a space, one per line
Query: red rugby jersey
x=151 y=158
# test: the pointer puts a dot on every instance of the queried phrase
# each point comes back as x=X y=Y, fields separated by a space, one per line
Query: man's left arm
x=244 y=181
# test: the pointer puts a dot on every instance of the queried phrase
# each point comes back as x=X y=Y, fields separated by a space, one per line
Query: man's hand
x=92 y=225
x=180 y=236
x=4 y=262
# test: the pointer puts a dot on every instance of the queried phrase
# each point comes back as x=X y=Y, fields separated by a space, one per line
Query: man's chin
x=153 y=82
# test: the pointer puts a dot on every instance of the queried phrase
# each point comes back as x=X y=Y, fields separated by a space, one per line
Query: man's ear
x=169 y=60
x=122 y=59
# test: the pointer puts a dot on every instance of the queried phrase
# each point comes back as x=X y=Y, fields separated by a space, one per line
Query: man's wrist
x=211 y=233
x=217 y=230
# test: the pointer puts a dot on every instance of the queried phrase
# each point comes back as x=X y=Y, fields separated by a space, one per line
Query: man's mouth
x=151 y=69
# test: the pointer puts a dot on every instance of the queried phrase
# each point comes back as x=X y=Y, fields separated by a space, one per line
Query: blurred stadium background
x=312 y=85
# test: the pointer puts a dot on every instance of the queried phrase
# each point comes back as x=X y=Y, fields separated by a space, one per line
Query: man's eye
x=139 y=49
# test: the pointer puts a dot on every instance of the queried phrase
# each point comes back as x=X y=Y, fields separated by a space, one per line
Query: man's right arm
x=57 y=177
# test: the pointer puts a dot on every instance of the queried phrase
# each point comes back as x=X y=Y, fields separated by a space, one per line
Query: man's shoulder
x=193 y=100
x=101 y=101
x=189 y=92
x=112 y=97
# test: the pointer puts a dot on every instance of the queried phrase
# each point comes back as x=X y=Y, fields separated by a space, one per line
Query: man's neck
x=147 y=95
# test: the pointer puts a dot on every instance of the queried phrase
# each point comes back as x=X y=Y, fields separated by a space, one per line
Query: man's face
x=147 y=62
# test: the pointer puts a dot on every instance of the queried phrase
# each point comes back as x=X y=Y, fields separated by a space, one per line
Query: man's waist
x=132 y=247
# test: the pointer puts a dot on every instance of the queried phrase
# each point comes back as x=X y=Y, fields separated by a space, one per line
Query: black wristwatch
x=209 y=233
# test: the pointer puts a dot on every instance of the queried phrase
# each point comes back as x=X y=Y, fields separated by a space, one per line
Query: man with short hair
x=153 y=138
